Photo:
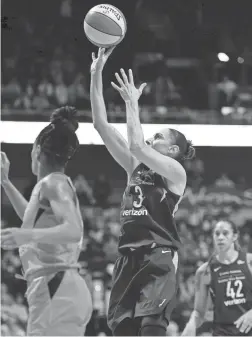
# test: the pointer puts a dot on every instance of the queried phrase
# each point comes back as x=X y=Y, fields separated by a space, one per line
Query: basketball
x=105 y=25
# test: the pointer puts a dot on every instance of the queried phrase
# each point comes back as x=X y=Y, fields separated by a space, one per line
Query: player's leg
x=122 y=298
x=127 y=327
x=158 y=292
x=39 y=303
x=154 y=325
x=71 y=307
x=61 y=306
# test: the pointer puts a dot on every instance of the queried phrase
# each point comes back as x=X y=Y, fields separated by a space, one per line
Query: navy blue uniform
x=231 y=292
x=145 y=276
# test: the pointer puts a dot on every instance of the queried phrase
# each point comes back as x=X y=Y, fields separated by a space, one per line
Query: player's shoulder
x=249 y=256
x=53 y=180
x=203 y=274
x=249 y=259
x=54 y=185
x=177 y=187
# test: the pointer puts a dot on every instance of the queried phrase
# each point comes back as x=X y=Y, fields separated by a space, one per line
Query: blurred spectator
x=61 y=93
x=79 y=93
x=227 y=92
x=102 y=191
x=23 y=102
x=84 y=191
x=11 y=90
x=57 y=64
x=40 y=101
x=165 y=91
x=45 y=87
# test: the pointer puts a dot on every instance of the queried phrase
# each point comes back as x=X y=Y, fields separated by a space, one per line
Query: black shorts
x=228 y=330
x=145 y=282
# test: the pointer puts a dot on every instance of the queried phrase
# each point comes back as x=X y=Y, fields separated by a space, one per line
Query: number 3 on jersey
x=235 y=290
x=140 y=198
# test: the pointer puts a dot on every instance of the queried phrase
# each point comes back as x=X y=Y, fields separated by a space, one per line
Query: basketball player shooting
x=227 y=280
x=50 y=237
x=145 y=278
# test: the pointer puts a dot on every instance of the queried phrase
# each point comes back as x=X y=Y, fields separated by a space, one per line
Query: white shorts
x=58 y=306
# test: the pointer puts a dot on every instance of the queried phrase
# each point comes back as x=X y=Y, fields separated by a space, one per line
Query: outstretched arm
x=17 y=200
x=202 y=281
x=113 y=140
x=167 y=167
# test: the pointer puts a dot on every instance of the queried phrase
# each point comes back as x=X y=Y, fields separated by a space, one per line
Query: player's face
x=224 y=237
x=162 y=142
x=34 y=157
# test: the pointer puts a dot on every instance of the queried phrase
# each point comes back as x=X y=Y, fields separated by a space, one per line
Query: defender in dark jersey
x=227 y=280
x=145 y=283
x=51 y=234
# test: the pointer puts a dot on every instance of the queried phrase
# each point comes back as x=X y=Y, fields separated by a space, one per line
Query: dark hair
x=231 y=223
x=187 y=151
x=58 y=140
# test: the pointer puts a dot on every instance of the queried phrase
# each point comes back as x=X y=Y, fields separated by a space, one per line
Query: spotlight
x=223 y=57
x=240 y=59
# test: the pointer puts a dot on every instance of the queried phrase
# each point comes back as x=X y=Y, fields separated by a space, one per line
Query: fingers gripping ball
x=105 y=25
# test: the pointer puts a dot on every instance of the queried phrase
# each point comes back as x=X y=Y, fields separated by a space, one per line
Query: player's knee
x=154 y=325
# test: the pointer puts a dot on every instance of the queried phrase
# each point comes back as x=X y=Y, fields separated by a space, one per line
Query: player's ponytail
x=190 y=151
x=65 y=117
x=235 y=231
x=237 y=245
x=186 y=149
x=58 y=140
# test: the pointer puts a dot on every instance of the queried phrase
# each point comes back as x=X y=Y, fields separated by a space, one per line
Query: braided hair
x=58 y=140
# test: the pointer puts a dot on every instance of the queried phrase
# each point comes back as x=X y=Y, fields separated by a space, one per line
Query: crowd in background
x=201 y=207
x=46 y=60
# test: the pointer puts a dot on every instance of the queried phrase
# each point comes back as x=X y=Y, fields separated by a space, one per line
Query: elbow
x=95 y=125
x=99 y=125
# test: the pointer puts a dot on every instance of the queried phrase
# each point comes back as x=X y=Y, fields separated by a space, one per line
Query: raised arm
x=202 y=281
x=167 y=167
x=113 y=140
x=18 y=202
